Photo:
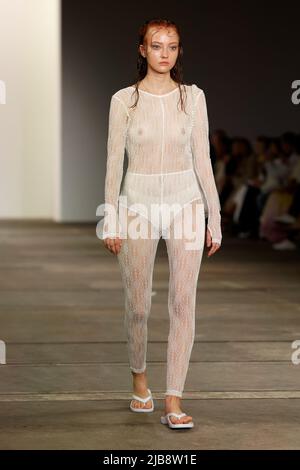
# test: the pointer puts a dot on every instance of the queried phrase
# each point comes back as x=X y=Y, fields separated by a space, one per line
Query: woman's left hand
x=213 y=245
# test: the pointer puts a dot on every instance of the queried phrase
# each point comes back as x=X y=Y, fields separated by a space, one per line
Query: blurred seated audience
x=259 y=188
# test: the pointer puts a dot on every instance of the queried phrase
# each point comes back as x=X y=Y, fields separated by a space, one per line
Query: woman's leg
x=136 y=259
x=184 y=270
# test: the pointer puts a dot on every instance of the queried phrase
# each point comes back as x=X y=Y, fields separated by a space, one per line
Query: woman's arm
x=117 y=128
x=203 y=166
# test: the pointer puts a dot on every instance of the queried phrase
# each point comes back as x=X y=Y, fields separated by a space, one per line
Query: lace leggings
x=136 y=260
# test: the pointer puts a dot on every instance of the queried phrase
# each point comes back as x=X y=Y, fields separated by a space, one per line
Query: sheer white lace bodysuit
x=168 y=163
x=168 y=155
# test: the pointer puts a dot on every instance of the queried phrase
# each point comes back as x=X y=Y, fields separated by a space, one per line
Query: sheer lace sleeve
x=117 y=128
x=203 y=166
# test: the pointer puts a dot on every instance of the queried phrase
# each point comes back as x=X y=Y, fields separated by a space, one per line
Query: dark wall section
x=243 y=54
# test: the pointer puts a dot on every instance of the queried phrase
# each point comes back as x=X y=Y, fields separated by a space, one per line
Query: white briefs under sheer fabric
x=159 y=197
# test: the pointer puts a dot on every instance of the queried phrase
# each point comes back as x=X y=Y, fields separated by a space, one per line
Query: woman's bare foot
x=172 y=404
x=140 y=388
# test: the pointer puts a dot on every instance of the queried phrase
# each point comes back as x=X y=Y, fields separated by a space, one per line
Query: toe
x=175 y=420
x=188 y=419
x=182 y=420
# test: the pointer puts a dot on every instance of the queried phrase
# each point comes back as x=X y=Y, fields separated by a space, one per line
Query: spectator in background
x=261 y=145
x=281 y=197
x=221 y=149
x=293 y=212
x=243 y=169
x=259 y=190
x=271 y=172
x=291 y=215
x=289 y=142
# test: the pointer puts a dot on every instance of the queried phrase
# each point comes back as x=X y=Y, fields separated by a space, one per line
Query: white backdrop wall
x=30 y=117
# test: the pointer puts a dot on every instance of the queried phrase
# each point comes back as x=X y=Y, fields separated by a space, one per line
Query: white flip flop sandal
x=143 y=400
x=166 y=420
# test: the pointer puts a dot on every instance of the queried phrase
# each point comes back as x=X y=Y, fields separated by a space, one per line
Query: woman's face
x=237 y=148
x=161 y=45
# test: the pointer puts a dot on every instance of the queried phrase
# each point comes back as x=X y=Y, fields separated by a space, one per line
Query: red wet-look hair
x=176 y=72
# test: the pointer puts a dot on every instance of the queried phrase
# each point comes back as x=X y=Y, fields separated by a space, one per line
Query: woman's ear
x=142 y=50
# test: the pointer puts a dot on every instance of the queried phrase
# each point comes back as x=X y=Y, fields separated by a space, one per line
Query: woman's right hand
x=113 y=244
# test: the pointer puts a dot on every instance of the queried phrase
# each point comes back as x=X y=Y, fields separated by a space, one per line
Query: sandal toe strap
x=143 y=400
x=177 y=415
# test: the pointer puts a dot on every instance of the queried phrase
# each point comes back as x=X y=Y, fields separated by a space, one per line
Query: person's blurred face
x=272 y=151
x=260 y=147
x=215 y=139
x=218 y=143
x=219 y=146
x=161 y=45
x=286 y=147
x=237 y=148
